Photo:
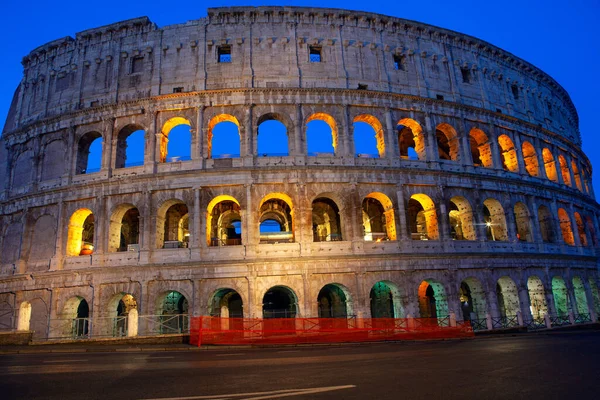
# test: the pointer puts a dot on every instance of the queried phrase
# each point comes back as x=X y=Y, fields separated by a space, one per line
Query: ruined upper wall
x=270 y=47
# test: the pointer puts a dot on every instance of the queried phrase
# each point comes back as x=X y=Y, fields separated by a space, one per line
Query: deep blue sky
x=560 y=37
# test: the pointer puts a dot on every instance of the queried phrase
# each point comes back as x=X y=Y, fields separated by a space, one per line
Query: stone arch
x=182 y=139
x=39 y=318
x=22 y=170
x=11 y=243
x=595 y=295
x=330 y=121
x=507 y=294
x=75 y=314
x=565 y=227
x=24 y=317
x=410 y=135
x=523 y=222
x=89 y=153
x=119 y=307
x=124 y=228
x=80 y=236
x=385 y=300
x=276 y=219
x=172 y=225
x=581 y=231
x=172 y=309
x=53 y=163
x=280 y=302
x=537 y=297
x=124 y=149
x=530 y=158
x=508 y=154
x=326 y=221
x=214 y=121
x=447 y=142
x=481 y=150
x=377 y=128
x=549 y=165
x=576 y=175
x=433 y=302
x=272 y=140
x=422 y=218
x=564 y=170
x=42 y=245
x=546 y=225
x=591 y=230
x=472 y=299
x=581 y=305
x=495 y=220
x=224 y=221
x=561 y=296
x=334 y=301
x=226 y=303
x=460 y=215
x=378 y=217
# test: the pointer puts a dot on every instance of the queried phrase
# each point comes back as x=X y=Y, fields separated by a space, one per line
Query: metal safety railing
x=507 y=321
x=163 y=324
x=559 y=320
x=535 y=324
x=582 y=318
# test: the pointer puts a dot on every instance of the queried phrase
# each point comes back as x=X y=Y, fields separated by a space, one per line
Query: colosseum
x=378 y=167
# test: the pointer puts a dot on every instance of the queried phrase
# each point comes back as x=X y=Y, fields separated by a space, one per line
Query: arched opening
x=432 y=300
x=545 y=221
x=447 y=142
x=495 y=220
x=272 y=136
x=124 y=229
x=591 y=230
x=223 y=137
x=172 y=225
x=564 y=170
x=422 y=218
x=576 y=175
x=481 y=151
x=24 y=318
x=80 y=236
x=378 y=218
x=385 y=301
x=276 y=219
x=42 y=239
x=561 y=296
x=172 y=310
x=224 y=222
x=595 y=295
x=565 y=227
x=75 y=315
x=227 y=303
x=461 y=219
x=175 y=140
x=508 y=297
x=131 y=142
x=537 y=297
x=472 y=299
x=326 y=220
x=411 y=140
x=334 y=301
x=321 y=134
x=53 y=165
x=280 y=302
x=580 y=296
x=522 y=220
x=549 y=165
x=368 y=137
x=530 y=159
x=508 y=154
x=119 y=308
x=583 y=238
x=89 y=153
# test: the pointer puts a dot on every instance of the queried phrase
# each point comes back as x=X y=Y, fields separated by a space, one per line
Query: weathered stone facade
x=492 y=211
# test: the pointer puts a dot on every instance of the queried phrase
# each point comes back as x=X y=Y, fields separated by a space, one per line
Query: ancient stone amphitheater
x=472 y=201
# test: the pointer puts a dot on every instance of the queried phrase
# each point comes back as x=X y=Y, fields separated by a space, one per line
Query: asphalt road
x=556 y=366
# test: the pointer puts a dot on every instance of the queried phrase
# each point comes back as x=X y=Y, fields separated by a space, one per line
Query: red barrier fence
x=245 y=331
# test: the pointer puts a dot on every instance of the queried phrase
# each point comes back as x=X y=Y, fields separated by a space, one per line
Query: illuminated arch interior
x=565 y=227
x=213 y=123
x=410 y=136
x=545 y=221
x=537 y=297
x=172 y=225
x=522 y=220
x=581 y=231
x=581 y=305
x=576 y=175
x=223 y=221
x=182 y=140
x=386 y=301
x=378 y=217
x=561 y=296
x=276 y=219
x=530 y=159
x=481 y=151
x=549 y=165
x=472 y=299
x=124 y=228
x=447 y=141
x=433 y=302
x=461 y=219
x=564 y=170
x=326 y=221
x=508 y=154
x=374 y=123
x=334 y=301
x=508 y=297
x=495 y=220
x=330 y=121
x=422 y=218
x=80 y=236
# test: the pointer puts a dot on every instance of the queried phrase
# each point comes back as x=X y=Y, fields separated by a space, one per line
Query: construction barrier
x=258 y=331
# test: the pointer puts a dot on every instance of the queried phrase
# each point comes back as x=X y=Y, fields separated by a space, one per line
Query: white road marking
x=64 y=361
x=262 y=395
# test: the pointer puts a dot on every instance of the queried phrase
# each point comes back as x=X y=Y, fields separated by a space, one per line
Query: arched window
x=378 y=218
x=433 y=302
x=276 y=219
x=508 y=154
x=507 y=295
x=561 y=296
x=481 y=152
x=321 y=134
x=461 y=219
x=581 y=229
x=89 y=153
x=472 y=299
x=422 y=218
x=447 y=141
x=176 y=140
x=530 y=158
x=545 y=221
x=537 y=297
x=223 y=137
x=280 y=302
x=368 y=137
x=172 y=309
x=130 y=146
x=172 y=225
x=227 y=303
x=565 y=227
x=80 y=240
x=326 y=220
x=334 y=301
x=522 y=220
x=411 y=140
x=576 y=175
x=124 y=230
x=272 y=136
x=53 y=164
x=224 y=223
x=495 y=220
x=564 y=170
x=386 y=301
x=549 y=165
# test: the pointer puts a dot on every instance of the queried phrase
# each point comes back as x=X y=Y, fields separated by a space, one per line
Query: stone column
x=496 y=156
x=511 y=226
x=559 y=175
x=432 y=147
x=392 y=148
x=198 y=135
x=152 y=150
x=298 y=139
x=574 y=226
x=540 y=157
x=524 y=301
x=519 y=155
x=571 y=173
x=345 y=137
x=59 y=251
x=534 y=219
x=249 y=138
x=444 y=223
x=196 y=231
x=492 y=301
x=556 y=222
